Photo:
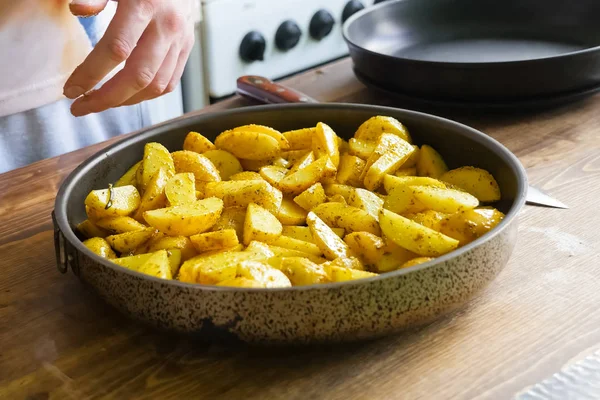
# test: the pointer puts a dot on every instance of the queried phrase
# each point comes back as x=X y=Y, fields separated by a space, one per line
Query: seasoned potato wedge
x=156 y=157
x=468 y=225
x=476 y=181
x=301 y=271
x=275 y=134
x=225 y=162
x=255 y=165
x=215 y=268
x=350 y=218
x=186 y=220
x=372 y=129
x=202 y=168
x=260 y=248
x=402 y=200
x=288 y=242
x=113 y=202
x=361 y=148
x=415 y=261
x=249 y=145
x=368 y=247
x=181 y=243
x=429 y=218
x=366 y=200
x=329 y=243
x=350 y=263
x=415 y=237
x=444 y=200
x=391 y=182
x=333 y=189
x=303 y=232
x=137 y=262
x=130 y=177
x=303 y=162
x=273 y=174
x=293 y=156
x=300 y=139
x=266 y=275
x=409 y=171
x=340 y=274
x=325 y=143
x=129 y=241
x=337 y=198
x=246 y=176
x=100 y=246
x=120 y=224
x=299 y=181
x=311 y=197
x=241 y=282
x=90 y=230
x=393 y=258
x=350 y=170
x=181 y=189
x=197 y=143
x=260 y=225
x=413 y=159
x=394 y=156
x=431 y=163
x=223 y=239
x=291 y=213
x=157 y=265
x=242 y=193
x=232 y=218
x=154 y=196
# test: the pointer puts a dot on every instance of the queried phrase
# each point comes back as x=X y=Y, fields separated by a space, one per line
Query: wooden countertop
x=58 y=340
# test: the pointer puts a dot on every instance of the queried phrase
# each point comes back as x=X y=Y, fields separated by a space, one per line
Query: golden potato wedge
x=296 y=244
x=386 y=143
x=260 y=225
x=302 y=162
x=303 y=232
x=112 y=202
x=202 y=168
x=336 y=189
x=343 y=145
x=444 y=200
x=413 y=159
x=361 y=148
x=156 y=157
x=411 y=171
x=239 y=247
x=350 y=263
x=350 y=218
x=311 y=197
x=130 y=177
x=275 y=134
x=181 y=243
x=291 y=213
x=246 y=176
x=255 y=165
x=186 y=220
x=293 y=156
x=215 y=268
x=390 y=182
x=429 y=218
x=273 y=174
x=266 y=275
x=300 y=139
x=249 y=145
x=329 y=243
x=129 y=241
x=402 y=200
x=197 y=143
x=367 y=247
x=468 y=225
x=365 y=200
x=372 y=129
x=341 y=274
x=260 y=248
x=301 y=271
x=208 y=241
x=181 y=189
x=100 y=247
x=415 y=261
x=154 y=196
x=325 y=143
x=393 y=258
x=232 y=218
x=241 y=282
x=337 y=198
x=175 y=258
x=242 y=193
x=431 y=163
x=476 y=181
x=350 y=170
x=395 y=155
x=415 y=237
x=225 y=162
x=157 y=265
x=120 y=224
x=281 y=162
x=133 y=262
x=90 y=230
x=298 y=182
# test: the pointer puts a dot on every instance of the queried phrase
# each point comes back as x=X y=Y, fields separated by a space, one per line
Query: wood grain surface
x=542 y=314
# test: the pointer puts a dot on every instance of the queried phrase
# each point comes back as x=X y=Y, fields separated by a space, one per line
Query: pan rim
x=448 y=64
x=69 y=183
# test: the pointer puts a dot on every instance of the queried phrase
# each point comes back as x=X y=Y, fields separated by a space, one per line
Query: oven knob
x=253 y=47
x=352 y=7
x=288 y=35
x=321 y=24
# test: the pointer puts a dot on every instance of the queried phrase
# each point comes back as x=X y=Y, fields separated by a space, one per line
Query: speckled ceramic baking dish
x=322 y=313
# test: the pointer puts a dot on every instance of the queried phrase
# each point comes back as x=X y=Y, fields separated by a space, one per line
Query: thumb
x=87 y=8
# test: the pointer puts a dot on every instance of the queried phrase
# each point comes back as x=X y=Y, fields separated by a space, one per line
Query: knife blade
x=536 y=197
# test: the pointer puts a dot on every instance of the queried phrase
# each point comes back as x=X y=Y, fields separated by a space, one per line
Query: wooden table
x=541 y=316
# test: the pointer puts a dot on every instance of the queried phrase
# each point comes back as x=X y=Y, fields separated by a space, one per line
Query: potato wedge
x=393 y=258
x=232 y=218
x=136 y=262
x=275 y=134
x=431 y=163
x=296 y=244
x=120 y=224
x=215 y=268
x=367 y=247
x=325 y=143
x=246 y=176
x=130 y=177
x=444 y=200
x=260 y=225
x=100 y=247
x=303 y=232
x=337 y=198
x=361 y=148
x=411 y=171
x=350 y=263
x=350 y=218
x=241 y=282
x=335 y=189
x=415 y=237
x=266 y=275
x=300 y=139
x=208 y=241
x=396 y=154
x=391 y=182
x=367 y=201
x=113 y=202
x=341 y=274
x=350 y=170
x=476 y=181
x=413 y=159
x=249 y=145
x=329 y=243
x=90 y=230
x=298 y=182
x=415 y=261
x=181 y=243
x=129 y=241
x=291 y=213
x=260 y=248
x=402 y=200
x=181 y=189
x=225 y=162
x=372 y=129
x=202 y=168
x=429 y=218
x=154 y=196
x=186 y=220
x=157 y=265
x=293 y=156
x=281 y=162
x=197 y=143
x=301 y=271
x=302 y=162
x=156 y=157
x=468 y=225
x=273 y=174
x=311 y=197
x=255 y=165
x=242 y=193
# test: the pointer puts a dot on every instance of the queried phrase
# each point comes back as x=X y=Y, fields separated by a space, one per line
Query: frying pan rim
x=78 y=173
x=463 y=65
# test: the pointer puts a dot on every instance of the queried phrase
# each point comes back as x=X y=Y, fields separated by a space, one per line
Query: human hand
x=153 y=37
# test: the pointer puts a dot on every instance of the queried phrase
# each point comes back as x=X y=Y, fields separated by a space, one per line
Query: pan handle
x=66 y=255
x=266 y=91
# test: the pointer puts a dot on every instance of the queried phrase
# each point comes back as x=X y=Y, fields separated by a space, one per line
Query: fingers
x=183 y=57
x=87 y=8
x=139 y=72
x=129 y=23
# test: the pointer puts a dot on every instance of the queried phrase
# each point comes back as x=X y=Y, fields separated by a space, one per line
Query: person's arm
x=153 y=37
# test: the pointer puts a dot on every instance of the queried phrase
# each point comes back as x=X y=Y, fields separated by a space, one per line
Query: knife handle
x=266 y=91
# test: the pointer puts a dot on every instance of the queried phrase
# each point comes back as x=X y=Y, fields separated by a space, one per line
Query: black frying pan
x=478 y=50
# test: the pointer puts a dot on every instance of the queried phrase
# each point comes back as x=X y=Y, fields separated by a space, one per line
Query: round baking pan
x=478 y=50
x=305 y=314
